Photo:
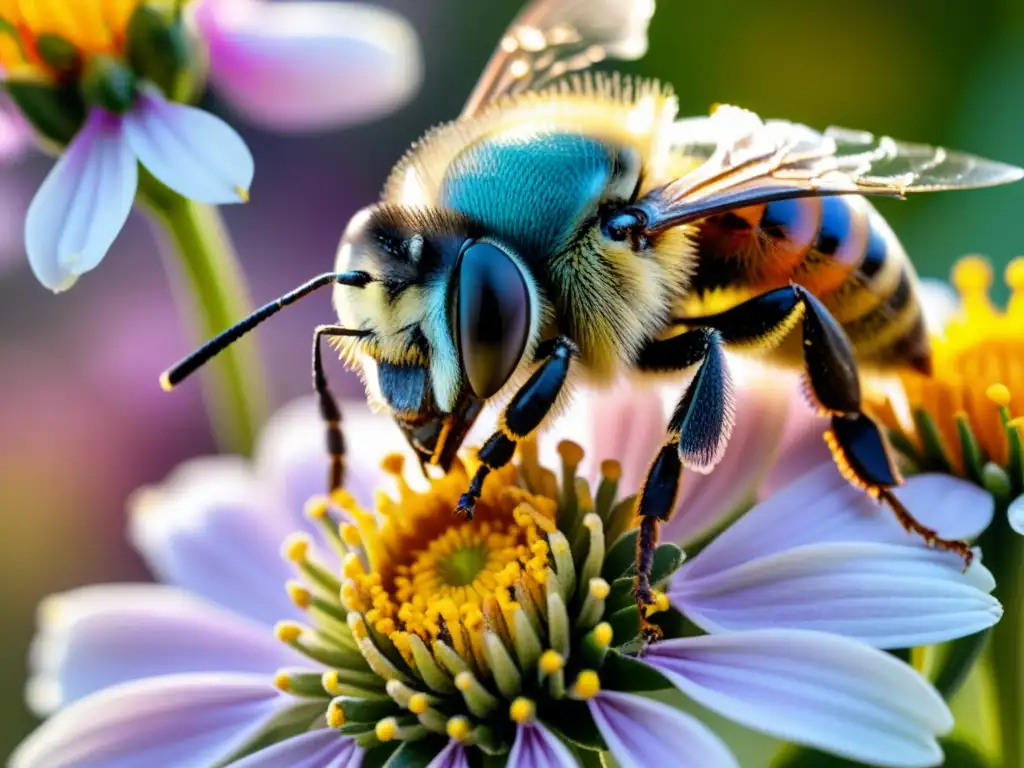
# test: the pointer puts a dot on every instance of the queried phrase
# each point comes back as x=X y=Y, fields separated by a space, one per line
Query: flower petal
x=802 y=448
x=821 y=506
x=292 y=462
x=308 y=66
x=1015 y=514
x=208 y=530
x=812 y=688
x=173 y=720
x=886 y=595
x=325 y=748
x=95 y=637
x=82 y=204
x=537 y=747
x=640 y=733
x=197 y=155
x=452 y=756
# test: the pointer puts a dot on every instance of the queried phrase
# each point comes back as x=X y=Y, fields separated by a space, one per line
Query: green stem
x=1004 y=555
x=212 y=296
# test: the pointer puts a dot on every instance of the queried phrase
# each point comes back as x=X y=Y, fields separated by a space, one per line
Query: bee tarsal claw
x=466 y=506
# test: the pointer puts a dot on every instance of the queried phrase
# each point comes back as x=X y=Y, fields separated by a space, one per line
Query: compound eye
x=491 y=317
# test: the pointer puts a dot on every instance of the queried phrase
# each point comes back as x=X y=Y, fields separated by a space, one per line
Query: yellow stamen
x=458 y=728
x=550 y=662
x=335 y=715
x=287 y=631
x=296 y=548
x=587 y=684
x=978 y=370
x=571 y=453
x=599 y=589
x=386 y=729
x=299 y=594
x=418 y=703
x=350 y=535
x=603 y=634
x=611 y=469
x=522 y=710
x=317 y=508
x=282 y=681
x=331 y=682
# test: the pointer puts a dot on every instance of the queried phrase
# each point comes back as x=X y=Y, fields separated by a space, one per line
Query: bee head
x=455 y=314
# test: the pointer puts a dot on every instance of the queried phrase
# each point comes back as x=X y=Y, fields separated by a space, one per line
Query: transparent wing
x=551 y=38
x=744 y=161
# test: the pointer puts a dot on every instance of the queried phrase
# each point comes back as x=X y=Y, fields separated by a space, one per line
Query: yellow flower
x=968 y=413
x=89 y=26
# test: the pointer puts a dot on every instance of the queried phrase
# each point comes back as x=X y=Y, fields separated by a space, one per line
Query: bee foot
x=466 y=506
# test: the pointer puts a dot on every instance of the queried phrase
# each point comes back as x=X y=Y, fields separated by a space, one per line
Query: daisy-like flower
x=103 y=80
x=967 y=418
x=406 y=635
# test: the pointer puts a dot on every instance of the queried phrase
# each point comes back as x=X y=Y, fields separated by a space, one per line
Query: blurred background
x=82 y=420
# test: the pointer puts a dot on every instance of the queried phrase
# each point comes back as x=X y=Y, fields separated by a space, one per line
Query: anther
x=551 y=661
x=386 y=729
x=603 y=634
x=295 y=548
x=571 y=453
x=335 y=715
x=349 y=534
x=418 y=703
x=458 y=728
x=972 y=275
x=599 y=589
x=299 y=595
x=288 y=631
x=522 y=710
x=317 y=508
x=999 y=394
x=282 y=681
x=393 y=464
x=587 y=685
x=611 y=469
x=331 y=682
x=352 y=566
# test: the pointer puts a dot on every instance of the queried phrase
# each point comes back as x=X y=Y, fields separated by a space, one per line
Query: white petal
x=1015 y=514
x=197 y=155
x=641 y=733
x=178 y=720
x=208 y=529
x=812 y=688
x=886 y=595
x=537 y=747
x=95 y=637
x=324 y=748
x=82 y=204
x=821 y=506
x=308 y=66
x=291 y=458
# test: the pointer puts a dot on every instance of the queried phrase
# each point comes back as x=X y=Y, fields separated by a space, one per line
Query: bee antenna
x=189 y=365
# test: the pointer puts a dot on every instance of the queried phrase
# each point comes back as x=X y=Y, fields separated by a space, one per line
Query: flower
x=967 y=418
x=410 y=634
x=104 y=80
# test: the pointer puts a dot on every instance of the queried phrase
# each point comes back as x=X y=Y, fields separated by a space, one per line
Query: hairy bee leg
x=858 y=447
x=522 y=416
x=329 y=410
x=697 y=435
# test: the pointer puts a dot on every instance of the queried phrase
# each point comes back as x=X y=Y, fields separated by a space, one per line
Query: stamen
x=587 y=685
x=300 y=596
x=458 y=728
x=999 y=394
x=335 y=715
x=522 y=710
x=302 y=684
x=350 y=535
x=593 y=603
x=386 y=729
x=551 y=661
x=478 y=699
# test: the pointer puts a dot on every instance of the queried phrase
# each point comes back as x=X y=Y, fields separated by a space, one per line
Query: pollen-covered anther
x=283 y=681
x=335 y=715
x=603 y=634
x=393 y=464
x=288 y=631
x=587 y=685
x=299 y=594
x=349 y=534
x=522 y=710
x=599 y=589
x=419 y=703
x=551 y=661
x=352 y=566
x=317 y=508
x=386 y=729
x=295 y=548
x=571 y=453
x=999 y=394
x=331 y=682
x=660 y=604
x=611 y=469
x=458 y=728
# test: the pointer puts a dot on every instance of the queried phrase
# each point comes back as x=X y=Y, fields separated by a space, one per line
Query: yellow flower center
x=428 y=573
x=977 y=383
x=89 y=26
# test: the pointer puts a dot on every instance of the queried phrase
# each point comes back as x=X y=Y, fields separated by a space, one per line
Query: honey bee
x=569 y=226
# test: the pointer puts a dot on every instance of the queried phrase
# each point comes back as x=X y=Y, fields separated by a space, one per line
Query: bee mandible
x=569 y=226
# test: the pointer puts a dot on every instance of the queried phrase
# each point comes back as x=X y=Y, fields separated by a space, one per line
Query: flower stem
x=1004 y=555
x=212 y=295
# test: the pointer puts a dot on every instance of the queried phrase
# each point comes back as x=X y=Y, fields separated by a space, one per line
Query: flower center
x=967 y=414
x=466 y=629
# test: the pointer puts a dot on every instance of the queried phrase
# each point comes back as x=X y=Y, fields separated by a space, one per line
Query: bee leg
x=858 y=447
x=697 y=435
x=522 y=416
x=329 y=410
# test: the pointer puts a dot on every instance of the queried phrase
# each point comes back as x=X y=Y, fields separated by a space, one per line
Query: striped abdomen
x=840 y=249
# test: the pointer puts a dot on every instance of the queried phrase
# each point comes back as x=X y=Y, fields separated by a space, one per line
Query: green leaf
x=958 y=755
x=625 y=673
x=625 y=624
x=620 y=557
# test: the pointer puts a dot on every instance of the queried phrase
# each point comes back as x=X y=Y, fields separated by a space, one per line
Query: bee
x=569 y=226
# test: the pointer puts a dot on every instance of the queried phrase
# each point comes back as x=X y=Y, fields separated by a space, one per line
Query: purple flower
x=290 y=67
x=532 y=646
